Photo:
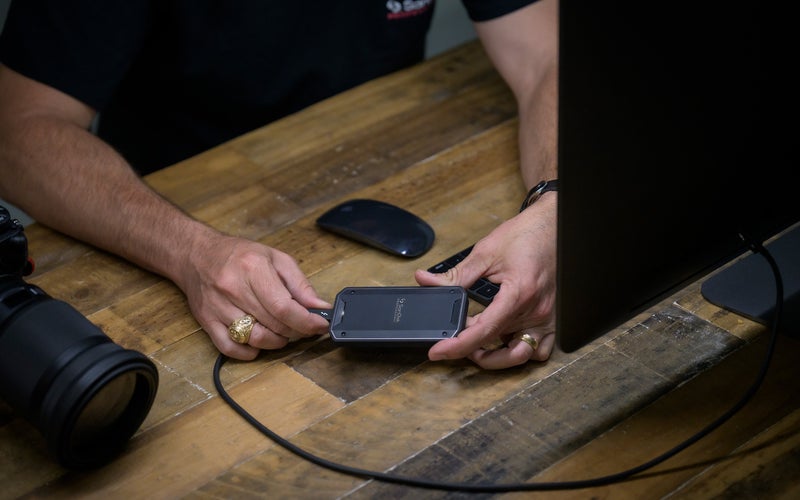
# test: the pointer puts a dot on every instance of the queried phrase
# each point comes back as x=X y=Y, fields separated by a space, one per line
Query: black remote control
x=482 y=291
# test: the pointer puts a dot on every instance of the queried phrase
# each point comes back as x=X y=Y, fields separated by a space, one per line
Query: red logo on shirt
x=407 y=8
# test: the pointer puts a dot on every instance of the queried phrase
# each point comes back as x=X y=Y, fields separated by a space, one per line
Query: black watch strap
x=537 y=191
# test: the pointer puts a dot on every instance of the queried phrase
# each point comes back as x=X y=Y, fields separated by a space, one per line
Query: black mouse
x=381 y=225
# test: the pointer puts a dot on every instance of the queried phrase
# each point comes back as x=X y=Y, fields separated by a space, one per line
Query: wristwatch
x=537 y=191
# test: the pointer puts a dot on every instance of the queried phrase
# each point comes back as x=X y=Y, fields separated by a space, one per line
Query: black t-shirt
x=174 y=77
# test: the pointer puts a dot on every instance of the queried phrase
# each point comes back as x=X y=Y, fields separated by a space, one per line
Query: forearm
x=67 y=179
x=520 y=254
x=523 y=46
x=538 y=131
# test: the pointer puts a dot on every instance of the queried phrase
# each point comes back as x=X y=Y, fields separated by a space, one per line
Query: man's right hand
x=226 y=278
x=57 y=171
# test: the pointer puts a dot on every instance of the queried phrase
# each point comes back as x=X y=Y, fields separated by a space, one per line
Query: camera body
x=14 y=259
x=59 y=371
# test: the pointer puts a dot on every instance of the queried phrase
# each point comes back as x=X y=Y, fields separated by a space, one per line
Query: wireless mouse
x=380 y=225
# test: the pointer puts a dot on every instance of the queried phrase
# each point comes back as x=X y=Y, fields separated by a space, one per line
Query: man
x=152 y=66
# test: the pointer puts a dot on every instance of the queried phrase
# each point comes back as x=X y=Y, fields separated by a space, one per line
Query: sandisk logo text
x=406 y=8
x=398 y=309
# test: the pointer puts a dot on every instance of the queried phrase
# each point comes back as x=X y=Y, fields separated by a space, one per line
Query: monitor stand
x=748 y=288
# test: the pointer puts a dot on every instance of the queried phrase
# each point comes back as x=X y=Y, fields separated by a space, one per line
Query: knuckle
x=517 y=358
x=251 y=260
x=227 y=283
x=272 y=341
x=280 y=308
x=227 y=350
x=232 y=351
x=263 y=337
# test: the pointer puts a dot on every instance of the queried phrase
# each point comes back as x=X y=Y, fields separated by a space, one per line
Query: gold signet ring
x=241 y=328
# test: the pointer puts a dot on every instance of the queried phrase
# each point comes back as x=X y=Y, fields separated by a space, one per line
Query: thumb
x=427 y=278
x=463 y=274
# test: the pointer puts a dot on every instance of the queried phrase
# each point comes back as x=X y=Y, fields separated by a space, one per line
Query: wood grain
x=438 y=139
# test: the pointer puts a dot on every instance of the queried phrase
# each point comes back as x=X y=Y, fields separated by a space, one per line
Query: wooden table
x=439 y=140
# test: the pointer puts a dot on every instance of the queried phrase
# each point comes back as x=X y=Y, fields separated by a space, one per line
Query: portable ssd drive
x=401 y=316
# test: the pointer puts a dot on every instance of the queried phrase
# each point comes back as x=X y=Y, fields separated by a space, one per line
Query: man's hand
x=67 y=178
x=520 y=255
x=227 y=278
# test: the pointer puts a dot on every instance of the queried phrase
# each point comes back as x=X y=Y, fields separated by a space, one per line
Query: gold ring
x=241 y=328
x=528 y=339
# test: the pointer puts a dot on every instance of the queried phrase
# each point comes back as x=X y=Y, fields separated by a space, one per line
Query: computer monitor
x=666 y=155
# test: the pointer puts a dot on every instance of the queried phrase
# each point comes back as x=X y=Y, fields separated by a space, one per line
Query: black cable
x=543 y=486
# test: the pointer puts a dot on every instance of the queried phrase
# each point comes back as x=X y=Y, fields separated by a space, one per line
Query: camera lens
x=86 y=394
x=108 y=405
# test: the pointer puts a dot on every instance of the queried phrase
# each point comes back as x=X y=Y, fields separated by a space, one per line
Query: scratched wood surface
x=440 y=140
